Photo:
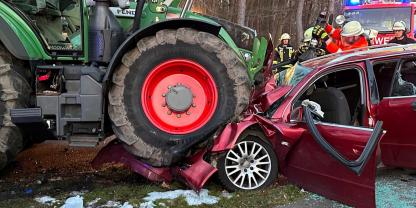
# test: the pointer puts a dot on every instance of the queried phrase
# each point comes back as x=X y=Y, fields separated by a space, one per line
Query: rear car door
x=398 y=112
x=336 y=157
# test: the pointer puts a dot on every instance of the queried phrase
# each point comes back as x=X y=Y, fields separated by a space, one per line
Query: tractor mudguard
x=18 y=36
x=131 y=41
x=11 y=41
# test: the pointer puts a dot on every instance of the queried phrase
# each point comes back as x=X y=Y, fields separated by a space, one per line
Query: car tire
x=238 y=170
x=174 y=89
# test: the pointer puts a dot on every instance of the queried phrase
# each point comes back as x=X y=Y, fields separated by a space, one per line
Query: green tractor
x=160 y=77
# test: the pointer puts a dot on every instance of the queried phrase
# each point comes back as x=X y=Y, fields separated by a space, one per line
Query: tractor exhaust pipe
x=137 y=15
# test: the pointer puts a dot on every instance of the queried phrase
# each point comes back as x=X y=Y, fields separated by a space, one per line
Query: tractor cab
x=58 y=22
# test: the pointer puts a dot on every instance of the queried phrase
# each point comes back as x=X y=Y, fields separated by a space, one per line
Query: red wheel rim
x=192 y=77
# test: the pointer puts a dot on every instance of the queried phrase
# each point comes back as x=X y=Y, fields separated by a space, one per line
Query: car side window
x=384 y=73
x=339 y=95
x=404 y=83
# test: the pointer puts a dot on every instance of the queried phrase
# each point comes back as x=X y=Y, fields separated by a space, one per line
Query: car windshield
x=381 y=19
x=292 y=76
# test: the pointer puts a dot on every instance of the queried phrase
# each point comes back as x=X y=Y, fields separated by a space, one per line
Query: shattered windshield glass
x=293 y=75
x=381 y=19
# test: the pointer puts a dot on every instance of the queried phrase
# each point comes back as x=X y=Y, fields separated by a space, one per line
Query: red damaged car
x=320 y=126
x=334 y=154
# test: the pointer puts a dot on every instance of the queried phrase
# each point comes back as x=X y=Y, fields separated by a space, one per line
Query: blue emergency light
x=353 y=2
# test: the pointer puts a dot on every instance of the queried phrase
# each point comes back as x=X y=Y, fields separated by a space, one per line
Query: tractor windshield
x=380 y=19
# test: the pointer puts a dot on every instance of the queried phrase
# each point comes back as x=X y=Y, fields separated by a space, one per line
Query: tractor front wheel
x=175 y=88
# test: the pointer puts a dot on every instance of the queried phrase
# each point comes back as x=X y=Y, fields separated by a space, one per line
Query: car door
x=398 y=112
x=334 y=160
x=316 y=169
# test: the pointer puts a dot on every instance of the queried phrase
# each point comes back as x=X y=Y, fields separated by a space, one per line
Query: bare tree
x=241 y=12
x=270 y=16
x=331 y=6
x=299 y=21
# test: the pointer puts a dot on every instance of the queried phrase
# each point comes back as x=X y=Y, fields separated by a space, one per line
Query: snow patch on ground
x=74 y=202
x=46 y=200
x=191 y=197
x=78 y=202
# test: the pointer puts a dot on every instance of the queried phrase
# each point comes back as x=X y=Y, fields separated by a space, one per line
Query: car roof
x=360 y=54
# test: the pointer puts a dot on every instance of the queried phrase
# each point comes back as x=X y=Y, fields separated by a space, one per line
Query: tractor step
x=83 y=140
x=26 y=115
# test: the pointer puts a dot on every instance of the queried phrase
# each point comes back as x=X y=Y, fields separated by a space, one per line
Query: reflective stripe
x=281 y=53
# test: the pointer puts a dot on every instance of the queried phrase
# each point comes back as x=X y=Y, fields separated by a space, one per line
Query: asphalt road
x=395 y=188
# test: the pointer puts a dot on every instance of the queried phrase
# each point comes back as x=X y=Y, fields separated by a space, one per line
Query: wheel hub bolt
x=188 y=113
x=193 y=105
x=164 y=95
x=169 y=112
x=178 y=115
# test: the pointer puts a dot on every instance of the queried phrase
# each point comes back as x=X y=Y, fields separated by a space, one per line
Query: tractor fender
x=18 y=36
x=10 y=40
x=131 y=41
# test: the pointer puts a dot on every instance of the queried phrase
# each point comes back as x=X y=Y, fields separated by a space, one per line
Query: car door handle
x=414 y=106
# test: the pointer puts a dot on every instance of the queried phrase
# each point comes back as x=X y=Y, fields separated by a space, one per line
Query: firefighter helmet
x=400 y=25
x=352 y=28
x=307 y=35
x=285 y=36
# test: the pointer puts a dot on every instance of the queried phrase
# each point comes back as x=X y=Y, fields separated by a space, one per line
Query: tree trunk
x=299 y=22
x=331 y=6
x=241 y=12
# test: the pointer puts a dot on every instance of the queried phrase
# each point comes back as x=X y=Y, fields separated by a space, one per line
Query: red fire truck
x=380 y=15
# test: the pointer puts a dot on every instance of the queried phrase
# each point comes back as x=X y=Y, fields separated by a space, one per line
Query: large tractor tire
x=173 y=90
x=14 y=93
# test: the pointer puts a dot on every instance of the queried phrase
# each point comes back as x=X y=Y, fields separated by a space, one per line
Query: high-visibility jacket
x=336 y=45
x=283 y=53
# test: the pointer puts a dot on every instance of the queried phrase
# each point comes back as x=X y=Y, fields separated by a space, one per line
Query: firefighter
x=309 y=41
x=400 y=30
x=292 y=75
x=350 y=36
x=284 y=50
